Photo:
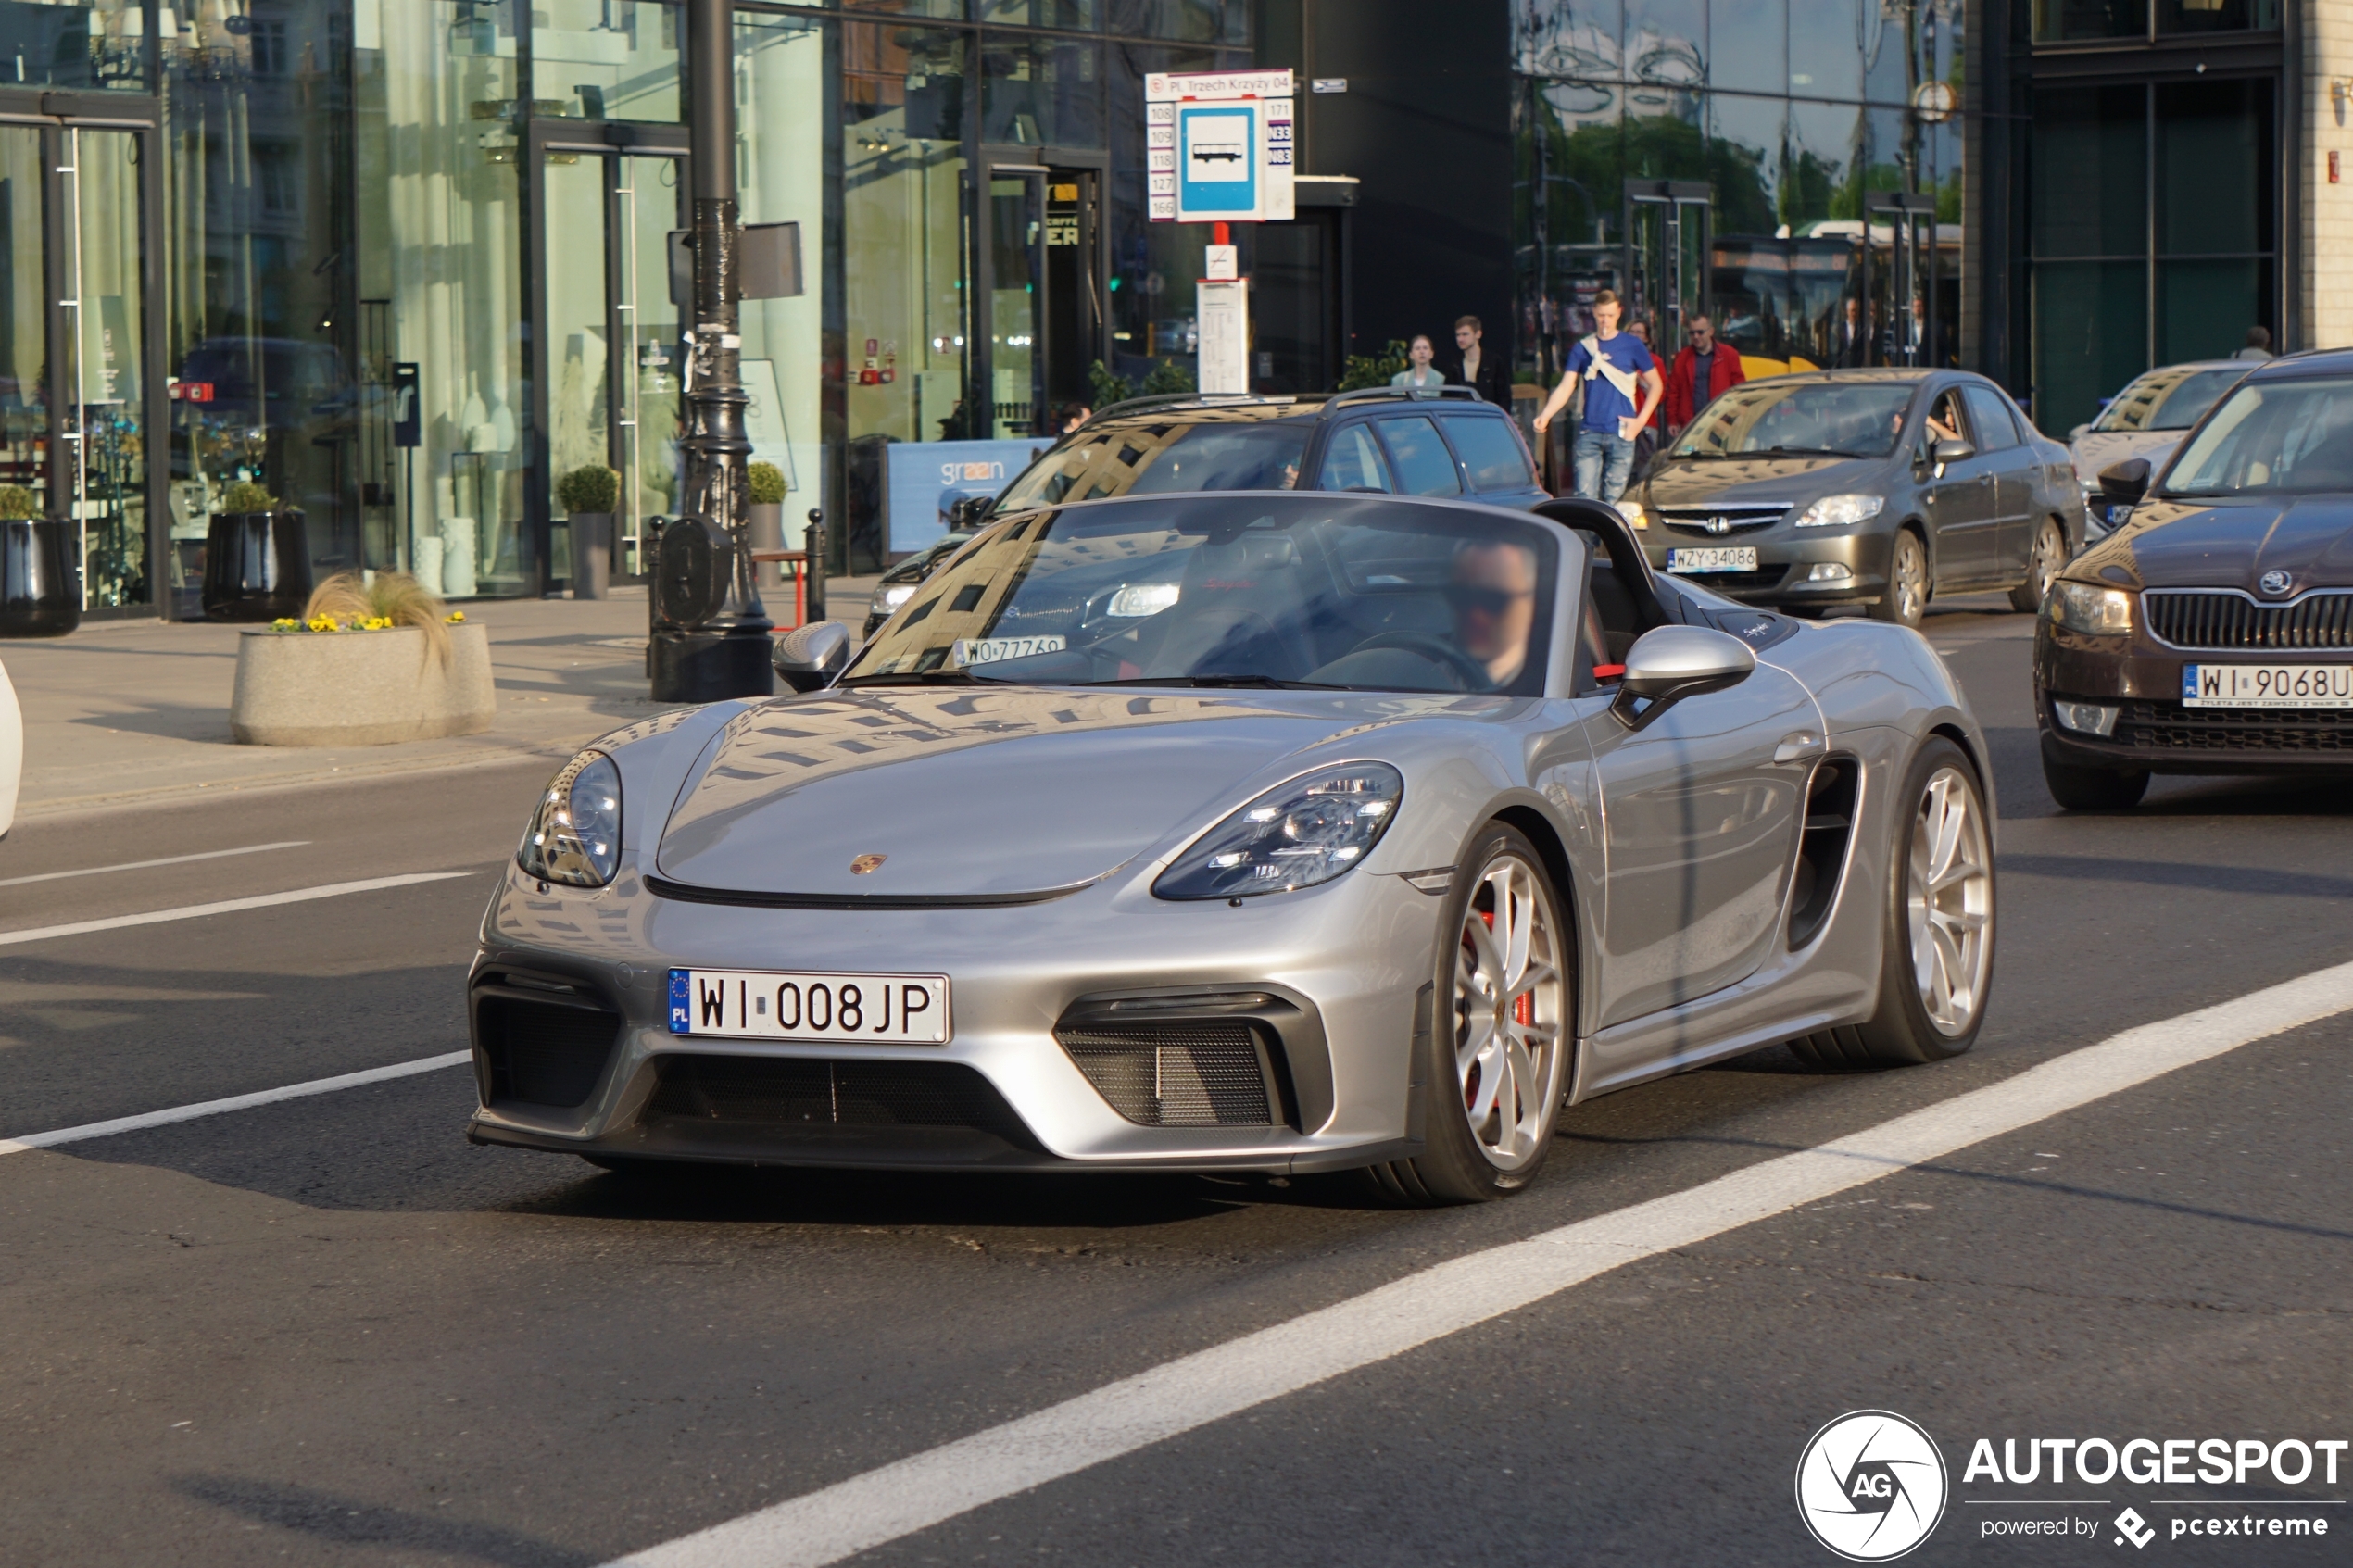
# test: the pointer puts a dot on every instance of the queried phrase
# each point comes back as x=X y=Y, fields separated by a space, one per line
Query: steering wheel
x=1439 y=651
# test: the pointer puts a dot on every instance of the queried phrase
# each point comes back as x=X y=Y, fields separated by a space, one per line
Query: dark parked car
x=2146 y=420
x=2212 y=632
x=1878 y=487
x=899 y=584
x=1390 y=440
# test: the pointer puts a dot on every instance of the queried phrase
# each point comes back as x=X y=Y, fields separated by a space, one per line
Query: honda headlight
x=897 y=594
x=574 y=836
x=1295 y=836
x=2100 y=612
x=1840 y=511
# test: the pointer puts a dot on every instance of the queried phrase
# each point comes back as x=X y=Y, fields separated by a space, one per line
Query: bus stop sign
x=1219 y=146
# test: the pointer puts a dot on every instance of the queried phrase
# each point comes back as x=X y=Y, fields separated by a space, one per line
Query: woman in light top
x=1419 y=354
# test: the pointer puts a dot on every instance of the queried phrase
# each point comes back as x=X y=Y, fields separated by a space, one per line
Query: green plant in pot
x=765 y=484
x=245 y=496
x=18 y=504
x=593 y=489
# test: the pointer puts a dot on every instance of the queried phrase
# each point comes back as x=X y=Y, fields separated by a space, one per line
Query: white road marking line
x=235 y=1102
x=225 y=907
x=142 y=865
x=926 y=1488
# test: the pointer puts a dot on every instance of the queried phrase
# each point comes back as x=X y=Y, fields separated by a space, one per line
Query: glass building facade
x=1794 y=169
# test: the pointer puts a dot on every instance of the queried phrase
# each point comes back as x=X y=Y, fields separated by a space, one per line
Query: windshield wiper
x=1800 y=452
x=913 y=678
x=1255 y=682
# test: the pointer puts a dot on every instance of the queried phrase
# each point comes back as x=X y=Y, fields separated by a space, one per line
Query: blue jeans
x=1602 y=462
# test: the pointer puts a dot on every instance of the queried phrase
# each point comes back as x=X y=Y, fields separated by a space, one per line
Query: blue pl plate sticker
x=682 y=1012
x=2189 y=682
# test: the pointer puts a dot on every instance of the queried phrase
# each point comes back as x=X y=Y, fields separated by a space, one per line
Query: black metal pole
x=719 y=645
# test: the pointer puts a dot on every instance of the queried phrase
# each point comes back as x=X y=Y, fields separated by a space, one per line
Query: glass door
x=103 y=385
x=24 y=309
x=614 y=337
x=1073 y=307
x=1666 y=229
x=1014 y=247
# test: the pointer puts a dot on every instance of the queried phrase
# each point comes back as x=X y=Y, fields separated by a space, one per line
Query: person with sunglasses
x=1703 y=371
x=1493 y=596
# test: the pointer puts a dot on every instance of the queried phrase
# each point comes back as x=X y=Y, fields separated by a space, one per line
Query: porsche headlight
x=2079 y=607
x=896 y=595
x=1295 y=836
x=1135 y=599
x=1840 y=511
x=574 y=836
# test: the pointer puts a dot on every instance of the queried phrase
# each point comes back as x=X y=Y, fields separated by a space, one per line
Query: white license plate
x=990 y=650
x=2266 y=685
x=1712 y=557
x=752 y=1004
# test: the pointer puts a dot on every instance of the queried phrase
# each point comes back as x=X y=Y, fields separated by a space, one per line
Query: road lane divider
x=225 y=907
x=931 y=1487
x=143 y=865
x=32 y=1141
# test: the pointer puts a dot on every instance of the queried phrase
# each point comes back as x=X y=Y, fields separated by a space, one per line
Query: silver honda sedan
x=1257 y=831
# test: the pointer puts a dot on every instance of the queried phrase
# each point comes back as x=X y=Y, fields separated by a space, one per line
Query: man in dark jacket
x=1705 y=370
x=1473 y=367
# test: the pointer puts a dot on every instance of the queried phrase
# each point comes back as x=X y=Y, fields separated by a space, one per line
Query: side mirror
x=1953 y=450
x=1669 y=663
x=2123 y=484
x=807 y=658
x=970 y=512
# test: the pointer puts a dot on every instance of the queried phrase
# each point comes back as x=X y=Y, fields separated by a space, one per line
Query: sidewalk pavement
x=124 y=712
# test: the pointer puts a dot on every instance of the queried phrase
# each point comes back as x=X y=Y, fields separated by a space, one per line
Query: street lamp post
x=710 y=638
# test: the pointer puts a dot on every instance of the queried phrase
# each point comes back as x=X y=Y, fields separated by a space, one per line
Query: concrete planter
x=360 y=688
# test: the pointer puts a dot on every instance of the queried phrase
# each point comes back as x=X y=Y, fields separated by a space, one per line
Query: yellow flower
x=456 y=616
x=284 y=623
x=376 y=623
x=324 y=624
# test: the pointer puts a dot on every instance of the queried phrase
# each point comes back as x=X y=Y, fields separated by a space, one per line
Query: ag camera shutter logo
x=1872 y=1486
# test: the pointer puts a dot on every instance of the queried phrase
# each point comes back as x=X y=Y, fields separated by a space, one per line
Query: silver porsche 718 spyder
x=1258 y=832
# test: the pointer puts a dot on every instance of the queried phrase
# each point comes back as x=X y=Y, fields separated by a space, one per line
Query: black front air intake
x=541 y=1041
x=796 y=1092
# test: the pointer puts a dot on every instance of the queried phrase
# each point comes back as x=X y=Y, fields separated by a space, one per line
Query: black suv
x=1392 y=440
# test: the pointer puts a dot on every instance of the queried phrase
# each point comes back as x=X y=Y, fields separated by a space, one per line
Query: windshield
x=2168 y=400
x=2282 y=437
x=1854 y=418
x=1356 y=593
x=1145 y=459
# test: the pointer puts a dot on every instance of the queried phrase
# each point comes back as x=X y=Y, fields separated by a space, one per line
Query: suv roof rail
x=1172 y=400
x=1403 y=393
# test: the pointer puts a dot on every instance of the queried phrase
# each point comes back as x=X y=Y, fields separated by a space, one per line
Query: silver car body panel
x=1674 y=845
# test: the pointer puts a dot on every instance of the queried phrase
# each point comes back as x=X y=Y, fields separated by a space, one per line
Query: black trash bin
x=256 y=566
x=40 y=590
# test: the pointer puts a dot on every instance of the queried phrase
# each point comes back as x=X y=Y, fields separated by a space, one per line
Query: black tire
x=2042 y=565
x=1900 y=1032
x=1905 y=599
x=1457 y=1165
x=2092 y=789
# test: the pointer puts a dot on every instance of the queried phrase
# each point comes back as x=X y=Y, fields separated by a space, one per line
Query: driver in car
x=1493 y=594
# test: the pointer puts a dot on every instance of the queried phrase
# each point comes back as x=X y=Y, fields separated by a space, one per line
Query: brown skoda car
x=2212 y=632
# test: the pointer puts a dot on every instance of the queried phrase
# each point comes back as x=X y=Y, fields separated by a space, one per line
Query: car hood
x=2175 y=543
x=2094 y=450
x=1759 y=479
x=980 y=793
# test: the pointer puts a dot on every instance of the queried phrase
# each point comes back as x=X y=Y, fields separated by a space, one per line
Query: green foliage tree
x=17 y=503
x=1373 y=369
x=591 y=489
x=765 y=484
x=1105 y=387
x=246 y=496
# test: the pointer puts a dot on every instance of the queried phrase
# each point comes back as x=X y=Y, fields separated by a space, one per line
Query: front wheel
x=1496 y=1067
x=2050 y=554
x=1936 y=966
x=1905 y=599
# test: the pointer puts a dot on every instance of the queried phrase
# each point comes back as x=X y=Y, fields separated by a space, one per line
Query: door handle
x=1798 y=746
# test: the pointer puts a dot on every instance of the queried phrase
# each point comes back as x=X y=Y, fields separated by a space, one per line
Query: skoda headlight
x=574 y=836
x=2079 y=607
x=1840 y=511
x=1295 y=836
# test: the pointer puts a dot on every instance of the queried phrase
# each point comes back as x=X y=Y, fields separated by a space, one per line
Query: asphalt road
x=329 y=1331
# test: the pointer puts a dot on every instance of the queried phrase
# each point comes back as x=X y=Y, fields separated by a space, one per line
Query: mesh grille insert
x=2169 y=726
x=544 y=1053
x=785 y=1091
x=1189 y=1074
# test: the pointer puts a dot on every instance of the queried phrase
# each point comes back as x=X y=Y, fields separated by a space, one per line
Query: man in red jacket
x=1703 y=369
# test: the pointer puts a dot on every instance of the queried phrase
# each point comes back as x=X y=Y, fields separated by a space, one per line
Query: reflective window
x=1424 y=465
x=2169 y=399
x=1353 y=461
x=102 y=44
x=1041 y=92
x=1989 y=418
x=1851 y=419
x=607 y=59
x=1129 y=457
x=2275 y=437
x=1490 y=451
